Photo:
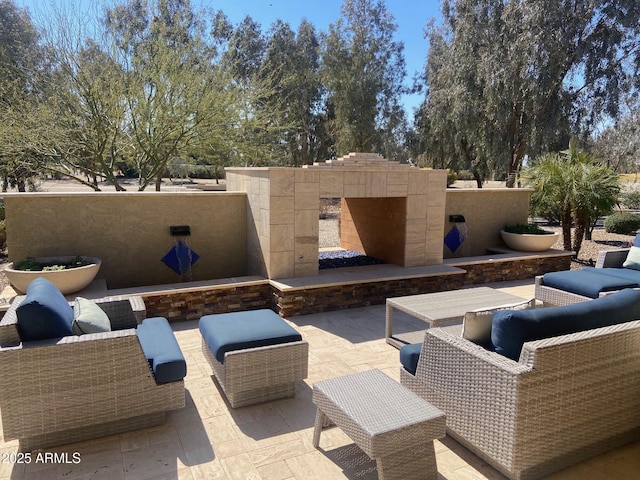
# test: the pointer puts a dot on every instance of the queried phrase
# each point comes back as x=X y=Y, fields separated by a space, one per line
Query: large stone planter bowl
x=527 y=242
x=68 y=281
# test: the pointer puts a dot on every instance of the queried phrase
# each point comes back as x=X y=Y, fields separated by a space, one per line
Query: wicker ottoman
x=256 y=356
x=388 y=422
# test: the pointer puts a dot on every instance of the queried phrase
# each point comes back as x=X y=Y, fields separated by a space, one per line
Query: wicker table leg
x=388 y=328
x=318 y=428
x=417 y=462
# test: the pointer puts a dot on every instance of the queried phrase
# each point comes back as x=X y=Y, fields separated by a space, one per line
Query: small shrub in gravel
x=624 y=223
x=465 y=175
x=631 y=199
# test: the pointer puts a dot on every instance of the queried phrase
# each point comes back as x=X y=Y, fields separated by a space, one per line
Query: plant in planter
x=528 y=237
x=34 y=265
x=69 y=273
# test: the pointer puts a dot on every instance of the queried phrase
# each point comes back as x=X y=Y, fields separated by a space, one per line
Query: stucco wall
x=486 y=212
x=130 y=232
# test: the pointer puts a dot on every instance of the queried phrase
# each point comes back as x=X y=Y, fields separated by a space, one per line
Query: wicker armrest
x=123 y=311
x=440 y=342
x=581 y=348
x=612 y=258
x=9 y=324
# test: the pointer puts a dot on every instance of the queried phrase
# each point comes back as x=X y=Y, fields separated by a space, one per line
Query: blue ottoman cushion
x=512 y=328
x=588 y=282
x=161 y=349
x=226 y=332
x=44 y=313
x=409 y=355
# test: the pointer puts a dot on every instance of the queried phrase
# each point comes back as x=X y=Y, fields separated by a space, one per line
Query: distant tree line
x=136 y=87
x=509 y=79
x=141 y=85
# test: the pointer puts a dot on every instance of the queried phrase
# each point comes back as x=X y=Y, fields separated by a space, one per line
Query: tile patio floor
x=272 y=441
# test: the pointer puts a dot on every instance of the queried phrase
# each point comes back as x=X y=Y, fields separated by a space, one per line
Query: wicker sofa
x=567 y=398
x=74 y=388
x=607 y=276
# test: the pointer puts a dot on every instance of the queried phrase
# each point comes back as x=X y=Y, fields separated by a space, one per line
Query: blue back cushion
x=161 y=349
x=226 y=332
x=636 y=241
x=44 y=313
x=409 y=356
x=512 y=328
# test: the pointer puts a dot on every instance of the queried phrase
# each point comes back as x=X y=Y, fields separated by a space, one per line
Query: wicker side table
x=388 y=422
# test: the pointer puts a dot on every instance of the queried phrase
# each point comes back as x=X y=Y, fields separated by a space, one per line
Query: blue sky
x=411 y=16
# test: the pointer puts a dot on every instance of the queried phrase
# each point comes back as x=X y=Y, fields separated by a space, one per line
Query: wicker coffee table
x=444 y=308
x=389 y=423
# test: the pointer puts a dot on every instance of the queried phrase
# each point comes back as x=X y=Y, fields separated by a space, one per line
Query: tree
x=290 y=72
x=91 y=112
x=574 y=187
x=176 y=101
x=257 y=136
x=22 y=66
x=508 y=78
x=619 y=144
x=363 y=71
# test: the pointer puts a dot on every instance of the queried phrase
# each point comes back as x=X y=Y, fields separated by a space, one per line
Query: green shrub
x=451 y=178
x=624 y=223
x=465 y=175
x=631 y=199
x=32 y=265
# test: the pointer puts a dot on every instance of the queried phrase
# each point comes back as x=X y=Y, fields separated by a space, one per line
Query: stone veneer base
x=181 y=304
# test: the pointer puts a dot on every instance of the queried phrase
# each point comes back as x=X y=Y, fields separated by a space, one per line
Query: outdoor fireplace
x=390 y=211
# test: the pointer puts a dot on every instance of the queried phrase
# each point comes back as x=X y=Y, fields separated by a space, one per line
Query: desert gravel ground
x=601 y=240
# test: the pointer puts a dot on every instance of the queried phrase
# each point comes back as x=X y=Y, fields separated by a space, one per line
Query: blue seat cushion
x=629 y=274
x=226 y=332
x=44 y=313
x=512 y=328
x=409 y=355
x=161 y=349
x=589 y=282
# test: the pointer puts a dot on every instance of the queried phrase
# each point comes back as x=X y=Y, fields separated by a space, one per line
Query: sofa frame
x=567 y=399
x=553 y=296
x=76 y=388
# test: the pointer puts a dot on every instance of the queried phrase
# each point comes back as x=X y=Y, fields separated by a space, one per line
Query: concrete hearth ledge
x=363 y=274
x=198 y=285
x=497 y=254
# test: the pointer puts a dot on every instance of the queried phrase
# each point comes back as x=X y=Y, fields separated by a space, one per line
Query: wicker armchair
x=75 y=388
x=568 y=398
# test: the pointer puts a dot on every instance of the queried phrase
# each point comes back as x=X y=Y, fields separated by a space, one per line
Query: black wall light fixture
x=179 y=230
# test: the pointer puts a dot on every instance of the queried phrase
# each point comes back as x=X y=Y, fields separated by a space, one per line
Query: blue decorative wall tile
x=454 y=239
x=180 y=258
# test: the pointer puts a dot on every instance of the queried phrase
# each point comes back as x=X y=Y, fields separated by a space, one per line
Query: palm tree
x=572 y=186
